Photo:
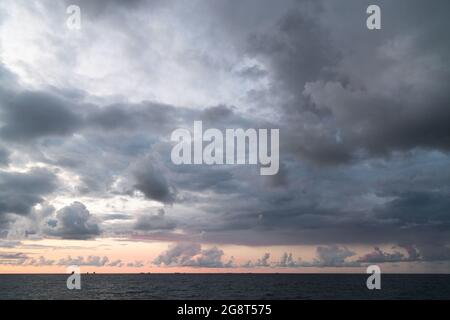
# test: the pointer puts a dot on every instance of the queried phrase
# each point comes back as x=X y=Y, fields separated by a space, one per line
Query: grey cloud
x=95 y=261
x=264 y=261
x=13 y=258
x=340 y=104
x=379 y=256
x=380 y=124
x=41 y=261
x=116 y=263
x=298 y=51
x=4 y=157
x=217 y=113
x=319 y=215
x=261 y=262
x=253 y=72
x=29 y=115
x=418 y=208
x=412 y=254
x=192 y=255
x=19 y=192
x=115 y=216
x=73 y=222
x=135 y=264
x=178 y=254
x=326 y=256
x=204 y=177
x=412 y=251
x=287 y=261
x=113 y=117
x=211 y=258
x=9 y=243
x=149 y=116
x=433 y=251
x=149 y=222
x=151 y=181
x=333 y=256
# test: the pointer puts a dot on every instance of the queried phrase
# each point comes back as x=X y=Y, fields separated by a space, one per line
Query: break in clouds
x=363 y=115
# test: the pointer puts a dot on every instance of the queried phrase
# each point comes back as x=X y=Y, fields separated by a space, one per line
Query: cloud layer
x=85 y=127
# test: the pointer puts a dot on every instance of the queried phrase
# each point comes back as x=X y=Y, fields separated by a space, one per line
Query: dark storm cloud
x=319 y=216
x=297 y=51
x=153 y=184
x=19 y=192
x=379 y=124
x=433 y=251
x=29 y=115
x=203 y=177
x=419 y=208
x=301 y=218
x=337 y=103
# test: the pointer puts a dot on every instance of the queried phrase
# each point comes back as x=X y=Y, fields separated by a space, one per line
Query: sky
x=86 y=117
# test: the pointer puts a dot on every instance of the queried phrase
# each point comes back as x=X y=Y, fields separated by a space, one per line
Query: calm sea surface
x=225 y=286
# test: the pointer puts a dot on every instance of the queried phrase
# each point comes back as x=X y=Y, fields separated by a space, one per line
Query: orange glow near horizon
x=129 y=251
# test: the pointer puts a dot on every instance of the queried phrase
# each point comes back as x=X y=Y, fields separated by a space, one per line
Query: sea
x=225 y=286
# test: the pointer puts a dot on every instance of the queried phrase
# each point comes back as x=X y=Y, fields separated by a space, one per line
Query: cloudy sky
x=86 y=117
